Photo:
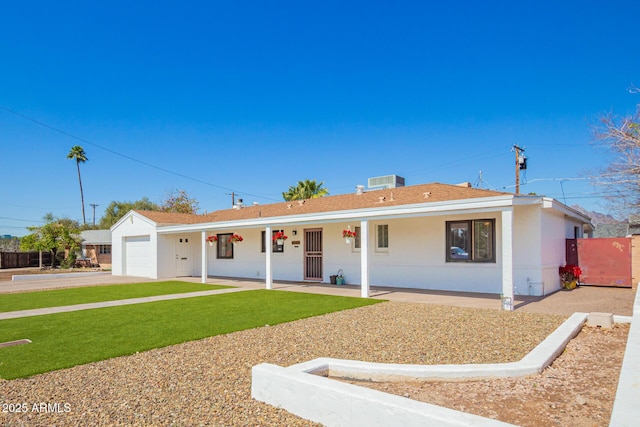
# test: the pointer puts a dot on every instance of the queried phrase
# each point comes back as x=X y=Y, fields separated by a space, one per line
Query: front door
x=184 y=264
x=313 y=254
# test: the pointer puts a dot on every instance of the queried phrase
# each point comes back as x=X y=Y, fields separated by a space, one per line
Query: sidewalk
x=114 y=303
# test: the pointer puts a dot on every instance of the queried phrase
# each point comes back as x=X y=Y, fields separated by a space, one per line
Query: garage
x=138 y=256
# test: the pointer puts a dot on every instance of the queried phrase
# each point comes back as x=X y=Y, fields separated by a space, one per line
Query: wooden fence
x=23 y=259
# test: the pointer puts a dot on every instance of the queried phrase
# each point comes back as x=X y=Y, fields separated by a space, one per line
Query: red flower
x=569 y=273
x=348 y=233
x=235 y=238
x=212 y=239
x=280 y=235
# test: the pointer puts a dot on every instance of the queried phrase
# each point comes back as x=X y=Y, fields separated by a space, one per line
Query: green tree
x=55 y=236
x=179 y=201
x=620 y=180
x=307 y=189
x=117 y=210
x=77 y=153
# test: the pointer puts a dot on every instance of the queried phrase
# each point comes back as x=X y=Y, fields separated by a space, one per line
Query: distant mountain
x=598 y=217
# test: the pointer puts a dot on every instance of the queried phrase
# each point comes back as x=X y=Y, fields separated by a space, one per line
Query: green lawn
x=88 y=294
x=68 y=339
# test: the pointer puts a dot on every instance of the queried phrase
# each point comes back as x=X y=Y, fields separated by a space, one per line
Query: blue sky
x=213 y=97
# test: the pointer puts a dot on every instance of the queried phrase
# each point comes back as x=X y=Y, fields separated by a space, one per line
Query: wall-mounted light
x=294 y=232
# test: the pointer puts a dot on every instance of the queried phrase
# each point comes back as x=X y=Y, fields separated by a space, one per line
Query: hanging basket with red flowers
x=235 y=238
x=348 y=235
x=280 y=237
x=212 y=239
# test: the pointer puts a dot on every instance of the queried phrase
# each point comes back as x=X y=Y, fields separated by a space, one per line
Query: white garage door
x=138 y=256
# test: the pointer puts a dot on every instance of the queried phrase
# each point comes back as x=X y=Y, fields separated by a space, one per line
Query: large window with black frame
x=471 y=241
x=225 y=246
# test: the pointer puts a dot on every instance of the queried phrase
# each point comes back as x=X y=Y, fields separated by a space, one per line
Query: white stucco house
x=430 y=236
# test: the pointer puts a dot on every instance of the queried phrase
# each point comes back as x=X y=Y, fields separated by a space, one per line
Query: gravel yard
x=578 y=389
x=208 y=382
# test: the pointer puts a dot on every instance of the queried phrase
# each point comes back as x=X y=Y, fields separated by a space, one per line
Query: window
x=356 y=240
x=382 y=240
x=104 y=249
x=472 y=240
x=275 y=247
x=224 y=247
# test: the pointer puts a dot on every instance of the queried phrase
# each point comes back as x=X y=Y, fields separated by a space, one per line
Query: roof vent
x=359 y=189
x=387 y=181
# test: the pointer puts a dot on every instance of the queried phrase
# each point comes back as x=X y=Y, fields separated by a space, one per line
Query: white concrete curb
x=335 y=404
x=626 y=410
x=533 y=363
x=18 y=277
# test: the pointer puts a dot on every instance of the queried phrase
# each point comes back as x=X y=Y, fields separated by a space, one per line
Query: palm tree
x=307 y=189
x=80 y=156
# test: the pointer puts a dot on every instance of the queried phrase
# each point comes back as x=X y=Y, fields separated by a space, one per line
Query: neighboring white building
x=431 y=236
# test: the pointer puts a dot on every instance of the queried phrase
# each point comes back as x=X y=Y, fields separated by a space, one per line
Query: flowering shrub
x=235 y=238
x=569 y=274
x=280 y=235
x=212 y=239
x=348 y=233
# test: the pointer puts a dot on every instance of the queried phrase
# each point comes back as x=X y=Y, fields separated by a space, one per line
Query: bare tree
x=179 y=201
x=620 y=180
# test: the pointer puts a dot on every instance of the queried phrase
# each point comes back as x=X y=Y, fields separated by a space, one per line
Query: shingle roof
x=169 y=218
x=424 y=193
x=96 y=237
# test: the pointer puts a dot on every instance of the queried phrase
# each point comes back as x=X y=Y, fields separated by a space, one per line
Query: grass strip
x=67 y=339
x=89 y=294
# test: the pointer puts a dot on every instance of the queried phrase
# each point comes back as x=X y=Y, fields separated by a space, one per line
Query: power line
x=133 y=159
x=546 y=179
x=17 y=219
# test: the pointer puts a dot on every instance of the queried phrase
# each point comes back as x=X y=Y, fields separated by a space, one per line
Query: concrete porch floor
x=584 y=299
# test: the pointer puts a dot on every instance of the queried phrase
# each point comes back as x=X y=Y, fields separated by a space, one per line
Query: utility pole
x=521 y=164
x=93 y=205
x=233 y=198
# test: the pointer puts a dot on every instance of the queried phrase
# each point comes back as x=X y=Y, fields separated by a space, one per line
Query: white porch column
x=204 y=272
x=507 y=257
x=364 y=259
x=267 y=250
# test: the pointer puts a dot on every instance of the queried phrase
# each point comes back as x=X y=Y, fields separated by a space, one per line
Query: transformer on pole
x=521 y=164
